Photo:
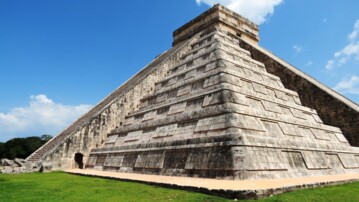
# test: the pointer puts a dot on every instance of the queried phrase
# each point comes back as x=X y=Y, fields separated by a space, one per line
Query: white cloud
x=257 y=11
x=348 y=85
x=309 y=63
x=297 y=48
x=41 y=116
x=330 y=65
x=350 y=51
x=354 y=34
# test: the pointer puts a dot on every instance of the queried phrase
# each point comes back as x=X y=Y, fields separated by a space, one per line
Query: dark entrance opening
x=79 y=160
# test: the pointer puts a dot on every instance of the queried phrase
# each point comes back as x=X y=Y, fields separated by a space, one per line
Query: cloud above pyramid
x=42 y=115
x=257 y=11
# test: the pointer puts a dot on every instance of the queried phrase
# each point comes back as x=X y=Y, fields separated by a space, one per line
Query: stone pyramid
x=215 y=105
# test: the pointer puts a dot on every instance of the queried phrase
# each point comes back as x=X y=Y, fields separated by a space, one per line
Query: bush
x=22 y=147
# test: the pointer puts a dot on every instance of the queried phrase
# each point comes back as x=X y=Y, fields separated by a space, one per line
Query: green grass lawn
x=59 y=186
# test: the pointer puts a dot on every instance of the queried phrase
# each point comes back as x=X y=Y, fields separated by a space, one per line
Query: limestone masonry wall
x=332 y=108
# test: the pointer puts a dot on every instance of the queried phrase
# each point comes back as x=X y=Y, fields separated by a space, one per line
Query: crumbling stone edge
x=230 y=194
x=18 y=166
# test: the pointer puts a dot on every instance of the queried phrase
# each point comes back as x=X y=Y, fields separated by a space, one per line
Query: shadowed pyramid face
x=207 y=108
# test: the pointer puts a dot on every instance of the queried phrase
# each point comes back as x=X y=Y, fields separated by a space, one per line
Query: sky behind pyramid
x=59 y=58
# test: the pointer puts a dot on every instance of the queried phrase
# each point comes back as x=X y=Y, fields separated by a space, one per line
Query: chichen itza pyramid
x=215 y=105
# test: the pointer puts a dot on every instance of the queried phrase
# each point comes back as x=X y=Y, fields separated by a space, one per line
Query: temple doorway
x=79 y=161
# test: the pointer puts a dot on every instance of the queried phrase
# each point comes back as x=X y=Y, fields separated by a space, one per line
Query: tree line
x=22 y=147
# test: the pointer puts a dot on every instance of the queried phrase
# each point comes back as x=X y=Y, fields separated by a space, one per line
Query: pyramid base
x=224 y=160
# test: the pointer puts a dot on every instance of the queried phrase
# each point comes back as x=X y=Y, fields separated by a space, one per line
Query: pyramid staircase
x=84 y=120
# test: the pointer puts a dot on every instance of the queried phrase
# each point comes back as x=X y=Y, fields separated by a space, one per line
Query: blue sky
x=59 y=58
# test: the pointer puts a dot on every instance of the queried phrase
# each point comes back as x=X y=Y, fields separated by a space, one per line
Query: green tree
x=2 y=149
x=45 y=137
x=22 y=147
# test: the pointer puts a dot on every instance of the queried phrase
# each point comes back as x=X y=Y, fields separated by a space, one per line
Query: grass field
x=59 y=186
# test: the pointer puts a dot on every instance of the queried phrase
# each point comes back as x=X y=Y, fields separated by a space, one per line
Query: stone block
x=133 y=136
x=175 y=159
x=272 y=129
x=150 y=160
x=247 y=122
x=233 y=97
x=7 y=170
x=334 y=161
x=317 y=118
x=211 y=81
x=321 y=134
x=306 y=132
x=294 y=159
x=209 y=159
x=212 y=123
x=289 y=129
x=231 y=79
x=129 y=160
x=186 y=128
x=19 y=162
x=184 y=90
x=129 y=121
x=177 y=108
x=165 y=131
x=210 y=67
x=194 y=105
x=349 y=160
x=270 y=106
x=198 y=85
x=7 y=162
x=171 y=81
x=341 y=138
x=161 y=97
x=162 y=112
x=45 y=166
x=91 y=161
x=111 y=140
x=190 y=74
x=259 y=88
x=149 y=115
x=213 y=98
x=114 y=160
x=315 y=160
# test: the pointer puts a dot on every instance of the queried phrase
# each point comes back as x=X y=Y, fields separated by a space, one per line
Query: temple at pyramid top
x=230 y=21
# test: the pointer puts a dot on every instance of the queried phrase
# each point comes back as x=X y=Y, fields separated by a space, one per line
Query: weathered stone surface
x=20 y=162
x=333 y=108
x=7 y=162
x=215 y=105
x=17 y=166
x=45 y=166
x=7 y=170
